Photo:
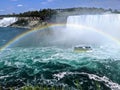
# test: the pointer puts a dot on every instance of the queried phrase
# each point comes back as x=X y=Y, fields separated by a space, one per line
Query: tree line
x=45 y=14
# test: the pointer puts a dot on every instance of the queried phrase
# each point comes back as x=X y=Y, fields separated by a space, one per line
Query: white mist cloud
x=47 y=1
x=19 y=5
x=14 y=0
x=50 y=0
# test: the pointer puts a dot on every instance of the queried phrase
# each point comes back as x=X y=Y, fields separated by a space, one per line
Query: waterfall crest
x=4 y=22
x=108 y=23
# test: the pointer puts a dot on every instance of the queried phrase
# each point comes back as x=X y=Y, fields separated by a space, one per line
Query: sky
x=17 y=6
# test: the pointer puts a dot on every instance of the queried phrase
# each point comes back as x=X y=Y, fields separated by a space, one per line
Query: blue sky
x=17 y=6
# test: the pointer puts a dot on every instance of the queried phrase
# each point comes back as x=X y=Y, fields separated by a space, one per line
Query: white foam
x=7 y=21
x=107 y=81
x=2 y=77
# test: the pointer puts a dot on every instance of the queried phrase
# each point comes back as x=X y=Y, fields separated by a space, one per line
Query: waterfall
x=4 y=22
x=107 y=23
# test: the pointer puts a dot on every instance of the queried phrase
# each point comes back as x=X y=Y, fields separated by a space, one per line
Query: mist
x=76 y=32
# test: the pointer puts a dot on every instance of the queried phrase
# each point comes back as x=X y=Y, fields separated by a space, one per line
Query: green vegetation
x=40 y=88
x=44 y=14
x=78 y=86
x=97 y=85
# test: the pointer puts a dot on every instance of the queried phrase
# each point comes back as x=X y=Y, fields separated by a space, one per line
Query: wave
x=104 y=79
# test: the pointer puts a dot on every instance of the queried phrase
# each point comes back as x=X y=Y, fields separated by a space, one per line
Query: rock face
x=26 y=22
x=7 y=21
x=21 y=22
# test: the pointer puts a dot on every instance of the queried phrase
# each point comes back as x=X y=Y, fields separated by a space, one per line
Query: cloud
x=47 y=1
x=1 y=10
x=19 y=5
x=31 y=9
x=50 y=0
x=14 y=0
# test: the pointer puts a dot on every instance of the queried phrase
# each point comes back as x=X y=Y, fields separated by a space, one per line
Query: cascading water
x=7 y=21
x=108 y=23
x=104 y=28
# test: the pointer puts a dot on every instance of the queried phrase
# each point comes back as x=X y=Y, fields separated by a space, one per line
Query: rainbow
x=19 y=37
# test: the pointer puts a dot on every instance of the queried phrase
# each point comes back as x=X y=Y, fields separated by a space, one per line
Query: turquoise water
x=53 y=65
x=7 y=34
